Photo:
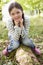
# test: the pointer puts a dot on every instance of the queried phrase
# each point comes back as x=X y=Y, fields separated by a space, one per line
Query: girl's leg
x=13 y=45
x=28 y=42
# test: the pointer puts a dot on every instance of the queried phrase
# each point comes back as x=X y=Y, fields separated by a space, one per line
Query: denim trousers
x=15 y=44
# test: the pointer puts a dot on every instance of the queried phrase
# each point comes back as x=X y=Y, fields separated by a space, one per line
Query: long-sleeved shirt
x=16 y=31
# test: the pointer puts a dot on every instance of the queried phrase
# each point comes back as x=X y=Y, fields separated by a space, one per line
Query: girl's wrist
x=16 y=24
x=22 y=26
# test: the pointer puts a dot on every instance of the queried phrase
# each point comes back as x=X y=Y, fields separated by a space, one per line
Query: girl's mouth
x=17 y=19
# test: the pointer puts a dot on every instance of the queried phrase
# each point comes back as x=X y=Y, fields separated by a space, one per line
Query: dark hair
x=17 y=5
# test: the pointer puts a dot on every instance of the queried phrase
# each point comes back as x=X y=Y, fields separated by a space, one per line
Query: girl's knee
x=16 y=45
x=13 y=45
x=28 y=42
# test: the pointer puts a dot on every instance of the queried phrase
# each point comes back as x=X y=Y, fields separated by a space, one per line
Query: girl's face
x=16 y=14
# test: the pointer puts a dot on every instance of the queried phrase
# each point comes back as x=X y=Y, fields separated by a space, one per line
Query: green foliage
x=3 y=31
x=0 y=15
x=36 y=28
x=31 y=4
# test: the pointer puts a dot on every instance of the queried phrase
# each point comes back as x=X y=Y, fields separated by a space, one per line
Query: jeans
x=15 y=44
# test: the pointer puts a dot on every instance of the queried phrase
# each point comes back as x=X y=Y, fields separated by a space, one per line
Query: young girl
x=18 y=29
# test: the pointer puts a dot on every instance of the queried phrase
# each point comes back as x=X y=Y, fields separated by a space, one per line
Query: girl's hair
x=16 y=5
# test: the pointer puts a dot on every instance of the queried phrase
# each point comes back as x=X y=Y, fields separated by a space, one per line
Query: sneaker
x=5 y=52
x=37 y=51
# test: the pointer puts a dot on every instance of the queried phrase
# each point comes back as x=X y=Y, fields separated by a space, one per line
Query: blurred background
x=34 y=10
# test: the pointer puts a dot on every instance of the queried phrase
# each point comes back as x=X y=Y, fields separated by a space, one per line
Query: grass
x=36 y=31
x=3 y=31
x=36 y=28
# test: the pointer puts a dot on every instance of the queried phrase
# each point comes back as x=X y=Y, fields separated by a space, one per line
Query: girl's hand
x=16 y=23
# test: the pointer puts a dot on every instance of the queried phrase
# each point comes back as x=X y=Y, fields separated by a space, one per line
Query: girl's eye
x=12 y=13
x=18 y=12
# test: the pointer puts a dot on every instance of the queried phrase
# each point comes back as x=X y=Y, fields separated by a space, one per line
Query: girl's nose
x=16 y=15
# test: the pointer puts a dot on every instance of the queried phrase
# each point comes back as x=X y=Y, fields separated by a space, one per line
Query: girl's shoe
x=5 y=52
x=37 y=51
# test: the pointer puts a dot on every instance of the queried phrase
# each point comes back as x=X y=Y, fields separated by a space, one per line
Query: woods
x=32 y=6
x=24 y=55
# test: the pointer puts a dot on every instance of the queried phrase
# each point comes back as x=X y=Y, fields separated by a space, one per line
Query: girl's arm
x=15 y=31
